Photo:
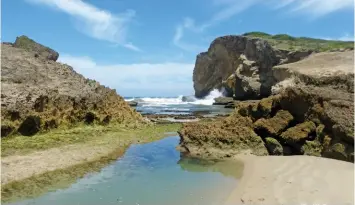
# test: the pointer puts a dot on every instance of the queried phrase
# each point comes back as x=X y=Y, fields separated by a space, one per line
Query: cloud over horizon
x=136 y=79
x=227 y=9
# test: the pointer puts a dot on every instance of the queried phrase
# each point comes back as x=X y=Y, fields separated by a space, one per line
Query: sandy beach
x=294 y=180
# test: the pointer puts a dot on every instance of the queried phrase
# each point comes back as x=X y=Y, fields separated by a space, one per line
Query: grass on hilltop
x=287 y=42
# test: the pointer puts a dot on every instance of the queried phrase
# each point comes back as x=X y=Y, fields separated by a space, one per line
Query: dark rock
x=30 y=126
x=230 y=105
x=133 y=103
x=188 y=98
x=201 y=112
x=6 y=130
x=223 y=101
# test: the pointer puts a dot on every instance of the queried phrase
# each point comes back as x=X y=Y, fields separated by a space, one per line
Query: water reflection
x=227 y=168
x=151 y=174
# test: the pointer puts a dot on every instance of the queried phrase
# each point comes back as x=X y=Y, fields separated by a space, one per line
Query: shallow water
x=151 y=174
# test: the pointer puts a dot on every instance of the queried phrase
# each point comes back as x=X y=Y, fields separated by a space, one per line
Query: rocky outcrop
x=233 y=55
x=35 y=48
x=242 y=65
x=221 y=138
x=303 y=119
x=39 y=94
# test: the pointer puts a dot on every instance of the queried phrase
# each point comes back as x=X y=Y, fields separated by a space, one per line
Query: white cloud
x=227 y=9
x=230 y=9
x=95 y=22
x=189 y=24
x=132 y=47
x=145 y=79
x=345 y=37
x=318 y=8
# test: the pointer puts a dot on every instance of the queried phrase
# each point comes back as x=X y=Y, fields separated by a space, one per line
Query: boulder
x=230 y=136
x=275 y=125
x=133 y=103
x=299 y=132
x=273 y=146
x=223 y=101
x=38 y=49
x=188 y=99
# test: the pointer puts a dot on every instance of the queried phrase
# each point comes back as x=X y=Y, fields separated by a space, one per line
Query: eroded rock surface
x=38 y=93
x=302 y=119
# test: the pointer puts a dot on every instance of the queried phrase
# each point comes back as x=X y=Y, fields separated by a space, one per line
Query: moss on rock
x=312 y=148
x=234 y=134
x=39 y=50
x=299 y=132
x=320 y=133
x=336 y=151
x=273 y=146
x=275 y=125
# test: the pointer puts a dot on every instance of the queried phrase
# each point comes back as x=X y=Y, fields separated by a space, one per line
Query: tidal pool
x=151 y=174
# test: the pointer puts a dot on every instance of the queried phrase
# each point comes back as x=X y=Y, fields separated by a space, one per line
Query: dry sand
x=20 y=167
x=294 y=180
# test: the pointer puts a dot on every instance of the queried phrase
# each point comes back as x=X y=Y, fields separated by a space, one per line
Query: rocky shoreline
x=289 y=104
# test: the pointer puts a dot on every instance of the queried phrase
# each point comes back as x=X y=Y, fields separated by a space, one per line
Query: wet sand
x=294 y=180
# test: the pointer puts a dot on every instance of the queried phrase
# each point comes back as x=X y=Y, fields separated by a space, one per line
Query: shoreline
x=294 y=180
x=29 y=174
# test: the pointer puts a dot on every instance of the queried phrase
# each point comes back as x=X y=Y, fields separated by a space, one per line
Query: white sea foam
x=208 y=100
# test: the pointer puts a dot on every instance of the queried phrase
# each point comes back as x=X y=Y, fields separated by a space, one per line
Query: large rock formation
x=310 y=113
x=38 y=93
x=242 y=65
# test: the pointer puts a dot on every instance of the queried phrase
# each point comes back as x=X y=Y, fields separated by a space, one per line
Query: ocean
x=180 y=105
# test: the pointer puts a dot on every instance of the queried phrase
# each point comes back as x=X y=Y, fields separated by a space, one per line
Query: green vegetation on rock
x=83 y=134
x=274 y=125
x=312 y=148
x=287 y=42
x=337 y=151
x=273 y=146
x=299 y=132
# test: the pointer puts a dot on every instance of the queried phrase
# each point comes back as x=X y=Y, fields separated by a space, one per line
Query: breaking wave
x=155 y=101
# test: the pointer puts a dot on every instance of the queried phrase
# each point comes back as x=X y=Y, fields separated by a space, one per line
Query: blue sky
x=148 y=48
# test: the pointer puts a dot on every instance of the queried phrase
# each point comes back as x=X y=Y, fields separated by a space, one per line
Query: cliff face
x=38 y=93
x=242 y=65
